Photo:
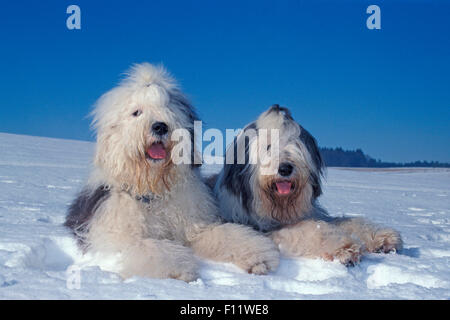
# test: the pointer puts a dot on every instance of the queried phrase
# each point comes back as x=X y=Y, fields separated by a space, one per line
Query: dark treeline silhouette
x=338 y=157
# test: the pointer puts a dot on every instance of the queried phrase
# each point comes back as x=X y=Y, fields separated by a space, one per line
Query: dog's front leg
x=159 y=259
x=237 y=244
x=317 y=239
x=374 y=238
x=119 y=227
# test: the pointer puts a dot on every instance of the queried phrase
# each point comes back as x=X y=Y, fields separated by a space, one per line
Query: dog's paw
x=184 y=275
x=260 y=257
x=181 y=266
x=178 y=267
x=348 y=254
x=385 y=241
x=160 y=259
x=265 y=262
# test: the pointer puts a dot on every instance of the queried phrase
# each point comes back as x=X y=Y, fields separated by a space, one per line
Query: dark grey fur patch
x=83 y=209
x=236 y=176
x=285 y=111
x=185 y=107
x=315 y=176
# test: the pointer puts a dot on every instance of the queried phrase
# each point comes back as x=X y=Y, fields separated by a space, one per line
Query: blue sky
x=386 y=91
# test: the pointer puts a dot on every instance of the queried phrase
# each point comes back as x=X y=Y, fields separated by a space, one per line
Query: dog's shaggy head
x=134 y=122
x=270 y=197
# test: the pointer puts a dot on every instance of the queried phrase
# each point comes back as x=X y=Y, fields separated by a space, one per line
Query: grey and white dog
x=284 y=204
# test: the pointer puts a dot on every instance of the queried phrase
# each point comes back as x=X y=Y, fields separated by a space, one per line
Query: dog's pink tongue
x=156 y=151
x=284 y=187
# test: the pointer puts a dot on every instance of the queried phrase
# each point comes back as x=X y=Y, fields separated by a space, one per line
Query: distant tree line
x=338 y=157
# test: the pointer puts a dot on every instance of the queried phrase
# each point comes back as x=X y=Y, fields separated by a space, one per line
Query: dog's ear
x=311 y=144
x=236 y=176
x=177 y=97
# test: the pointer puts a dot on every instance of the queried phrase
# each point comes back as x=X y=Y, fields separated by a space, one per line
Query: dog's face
x=285 y=180
x=134 y=123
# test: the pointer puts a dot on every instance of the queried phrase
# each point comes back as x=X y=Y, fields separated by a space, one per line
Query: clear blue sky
x=386 y=91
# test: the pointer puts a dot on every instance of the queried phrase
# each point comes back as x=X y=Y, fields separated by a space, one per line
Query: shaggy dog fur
x=284 y=202
x=140 y=205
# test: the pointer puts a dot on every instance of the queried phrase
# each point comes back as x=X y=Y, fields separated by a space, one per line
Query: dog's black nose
x=285 y=169
x=160 y=128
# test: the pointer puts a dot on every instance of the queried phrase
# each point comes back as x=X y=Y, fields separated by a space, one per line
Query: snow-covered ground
x=39 y=177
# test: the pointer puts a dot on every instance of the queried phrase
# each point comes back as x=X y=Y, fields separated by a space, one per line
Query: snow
x=39 y=177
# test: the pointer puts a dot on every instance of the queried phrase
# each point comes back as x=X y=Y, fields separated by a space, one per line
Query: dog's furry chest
x=163 y=219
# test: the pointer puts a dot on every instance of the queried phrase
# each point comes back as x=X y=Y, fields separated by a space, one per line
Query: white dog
x=142 y=206
x=284 y=203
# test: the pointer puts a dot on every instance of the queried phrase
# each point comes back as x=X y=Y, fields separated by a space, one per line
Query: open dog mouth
x=283 y=187
x=157 y=151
